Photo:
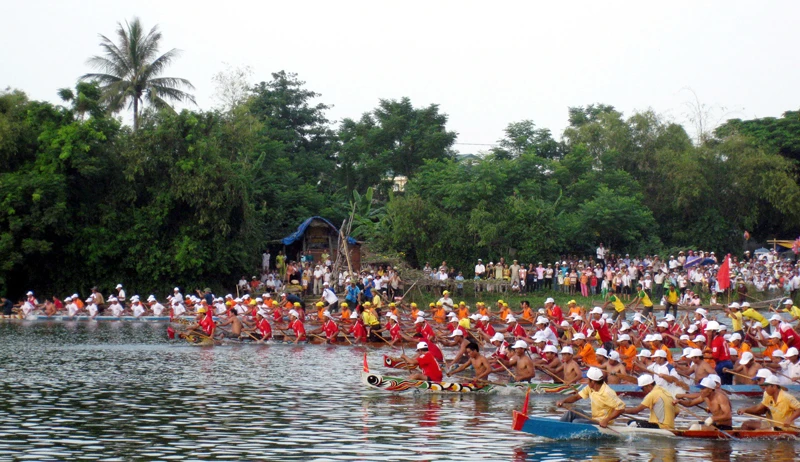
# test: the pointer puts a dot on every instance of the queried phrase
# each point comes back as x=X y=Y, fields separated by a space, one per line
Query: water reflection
x=73 y=390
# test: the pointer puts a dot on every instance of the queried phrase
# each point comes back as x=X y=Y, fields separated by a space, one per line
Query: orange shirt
x=527 y=313
x=588 y=355
x=320 y=315
x=744 y=347
x=628 y=354
x=483 y=310
x=346 y=315
x=440 y=316
x=463 y=312
x=772 y=348
x=414 y=313
x=575 y=310
x=504 y=313
x=669 y=353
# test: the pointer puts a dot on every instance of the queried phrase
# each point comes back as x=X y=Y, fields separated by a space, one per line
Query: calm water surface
x=122 y=391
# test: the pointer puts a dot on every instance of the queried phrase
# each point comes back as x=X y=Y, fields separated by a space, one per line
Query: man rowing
x=783 y=409
x=427 y=364
x=524 y=370
x=137 y=309
x=570 y=370
x=297 y=326
x=478 y=362
x=699 y=368
x=717 y=403
x=606 y=405
x=658 y=400
x=233 y=321
x=461 y=343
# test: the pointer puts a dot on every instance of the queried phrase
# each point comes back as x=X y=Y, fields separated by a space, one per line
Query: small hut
x=316 y=236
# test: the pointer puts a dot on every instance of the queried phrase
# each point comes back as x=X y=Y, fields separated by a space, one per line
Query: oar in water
x=590 y=419
x=703 y=420
x=782 y=424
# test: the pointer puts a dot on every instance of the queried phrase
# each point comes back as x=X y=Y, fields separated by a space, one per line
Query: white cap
x=624 y=337
x=745 y=305
x=268 y=295
x=776 y=317
x=597 y=310
x=112 y=299
x=549 y=300
x=791 y=352
x=476 y=317
x=67 y=298
x=326 y=284
x=701 y=311
x=520 y=344
x=746 y=358
x=419 y=319
x=663 y=324
x=722 y=327
x=89 y=300
x=638 y=317
x=259 y=299
x=511 y=319
x=391 y=316
x=484 y=318
x=735 y=336
x=602 y=352
x=539 y=337
x=74 y=295
x=700 y=338
x=624 y=326
x=648 y=338
x=567 y=350
x=575 y=316
x=684 y=337
x=644 y=354
x=244 y=296
x=788 y=302
x=614 y=356
x=294 y=313
x=354 y=315
x=772 y=380
x=579 y=336
x=645 y=380
x=734 y=305
x=691 y=329
x=564 y=324
x=660 y=354
x=763 y=373
x=422 y=346
x=29 y=293
x=594 y=374
x=778 y=354
x=712 y=325
x=707 y=382
x=669 y=318
x=119 y=286
x=775 y=334
x=176 y=289
x=327 y=314
x=715 y=378
x=542 y=320
x=551 y=349
x=457 y=332
x=657 y=338
x=498 y=337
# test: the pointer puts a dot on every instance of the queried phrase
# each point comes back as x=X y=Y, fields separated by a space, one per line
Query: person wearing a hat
x=137 y=309
x=457 y=339
x=734 y=312
x=553 y=311
x=788 y=334
x=584 y=351
x=782 y=407
x=423 y=329
x=114 y=307
x=790 y=368
x=792 y=309
x=601 y=327
x=745 y=367
x=329 y=298
x=515 y=329
x=446 y=301
x=665 y=375
x=615 y=369
x=751 y=313
x=501 y=347
x=570 y=370
x=626 y=350
x=717 y=403
x=478 y=362
x=296 y=325
x=644 y=299
x=659 y=401
x=426 y=362
x=720 y=352
x=523 y=366
x=606 y=405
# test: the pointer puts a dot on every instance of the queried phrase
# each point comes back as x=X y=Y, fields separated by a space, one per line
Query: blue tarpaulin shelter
x=297 y=235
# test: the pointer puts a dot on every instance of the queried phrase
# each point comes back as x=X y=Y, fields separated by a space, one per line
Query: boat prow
x=400 y=384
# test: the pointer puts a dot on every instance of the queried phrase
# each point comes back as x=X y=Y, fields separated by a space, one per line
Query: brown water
x=121 y=391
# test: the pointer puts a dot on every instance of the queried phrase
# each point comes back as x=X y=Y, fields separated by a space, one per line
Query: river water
x=122 y=391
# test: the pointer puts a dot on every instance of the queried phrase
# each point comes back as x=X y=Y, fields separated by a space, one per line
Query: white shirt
x=447 y=302
x=330 y=296
x=318 y=274
x=480 y=269
x=158 y=309
x=672 y=388
x=116 y=309
x=72 y=309
x=138 y=310
x=178 y=309
x=221 y=308
x=178 y=297
x=601 y=253
x=92 y=309
x=28 y=308
x=121 y=295
x=442 y=276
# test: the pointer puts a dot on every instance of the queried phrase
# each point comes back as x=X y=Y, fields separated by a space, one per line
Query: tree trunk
x=135 y=113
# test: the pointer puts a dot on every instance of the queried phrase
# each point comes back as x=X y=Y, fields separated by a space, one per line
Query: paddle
x=703 y=420
x=782 y=424
x=736 y=374
x=572 y=409
x=507 y=370
x=473 y=380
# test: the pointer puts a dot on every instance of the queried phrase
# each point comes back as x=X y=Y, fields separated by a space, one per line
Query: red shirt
x=358 y=331
x=518 y=331
x=264 y=327
x=430 y=367
x=394 y=331
x=789 y=335
x=277 y=315
x=434 y=350
x=331 y=330
x=489 y=330
x=208 y=324
x=427 y=331
x=556 y=313
x=719 y=349
x=299 y=329
x=601 y=326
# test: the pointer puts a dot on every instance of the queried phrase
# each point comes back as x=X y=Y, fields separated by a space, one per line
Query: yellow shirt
x=736 y=320
x=618 y=305
x=672 y=296
x=464 y=323
x=376 y=301
x=604 y=401
x=662 y=411
x=782 y=408
x=753 y=314
x=369 y=318
x=794 y=311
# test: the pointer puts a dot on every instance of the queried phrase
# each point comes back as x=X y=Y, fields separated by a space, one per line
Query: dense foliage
x=192 y=198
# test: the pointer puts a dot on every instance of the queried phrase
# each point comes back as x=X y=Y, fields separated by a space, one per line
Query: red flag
x=171 y=333
x=366 y=367
x=724 y=274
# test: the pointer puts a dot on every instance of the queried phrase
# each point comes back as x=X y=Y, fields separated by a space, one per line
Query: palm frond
x=157 y=66
x=172 y=82
x=169 y=93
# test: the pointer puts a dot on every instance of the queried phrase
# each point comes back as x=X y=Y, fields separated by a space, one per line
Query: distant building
x=399 y=183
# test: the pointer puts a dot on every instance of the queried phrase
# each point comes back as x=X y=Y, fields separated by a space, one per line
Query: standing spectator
x=265 y=261
x=460 y=284
x=601 y=255
x=530 y=279
x=540 y=277
x=523 y=279
x=548 y=277
x=515 y=272
x=480 y=270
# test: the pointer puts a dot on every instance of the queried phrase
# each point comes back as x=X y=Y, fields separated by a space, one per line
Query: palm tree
x=130 y=70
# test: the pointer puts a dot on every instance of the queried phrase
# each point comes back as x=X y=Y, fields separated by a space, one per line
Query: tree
x=130 y=70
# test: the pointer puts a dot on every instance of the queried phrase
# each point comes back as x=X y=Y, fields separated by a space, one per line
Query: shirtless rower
x=478 y=362
x=717 y=403
x=746 y=366
x=571 y=371
x=550 y=359
x=427 y=364
x=524 y=370
x=462 y=343
x=615 y=368
x=235 y=323
x=699 y=368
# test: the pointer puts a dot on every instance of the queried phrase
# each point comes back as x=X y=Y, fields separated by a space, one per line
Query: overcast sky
x=485 y=63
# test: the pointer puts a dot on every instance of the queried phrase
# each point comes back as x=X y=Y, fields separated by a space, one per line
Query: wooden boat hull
x=402 y=384
x=741 y=391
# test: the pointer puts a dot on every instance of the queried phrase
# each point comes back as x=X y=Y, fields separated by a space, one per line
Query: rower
x=263 y=327
x=720 y=352
x=426 y=362
x=665 y=375
x=72 y=307
x=320 y=310
x=522 y=364
x=627 y=350
x=606 y=405
x=345 y=312
x=233 y=321
x=783 y=408
x=789 y=336
x=615 y=368
x=486 y=330
x=552 y=311
x=699 y=368
x=329 y=327
x=790 y=367
x=543 y=324
x=463 y=310
x=452 y=322
x=157 y=308
x=395 y=332
x=370 y=319
x=745 y=367
x=357 y=329
x=642 y=362
x=478 y=362
x=136 y=307
x=717 y=403
x=423 y=328
x=658 y=345
x=600 y=326
x=499 y=341
x=571 y=371
x=297 y=326
x=29 y=305
x=462 y=343
x=550 y=359
x=91 y=307
x=585 y=352
x=659 y=401
x=515 y=329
